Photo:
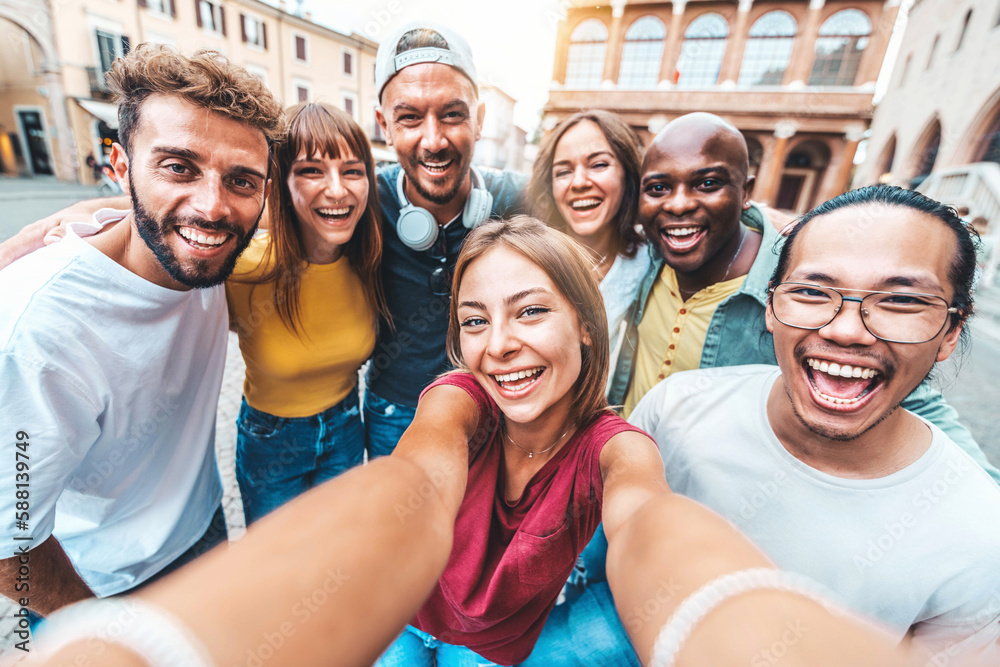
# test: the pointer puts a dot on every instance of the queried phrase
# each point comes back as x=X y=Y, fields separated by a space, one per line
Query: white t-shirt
x=920 y=547
x=115 y=381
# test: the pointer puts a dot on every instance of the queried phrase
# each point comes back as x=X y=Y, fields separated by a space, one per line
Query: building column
x=839 y=182
x=773 y=163
x=616 y=41
x=871 y=60
x=66 y=163
x=562 y=53
x=801 y=61
x=672 y=47
x=735 y=46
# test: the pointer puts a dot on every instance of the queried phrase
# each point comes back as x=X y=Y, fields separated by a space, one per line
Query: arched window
x=768 y=50
x=702 y=51
x=888 y=158
x=926 y=156
x=965 y=29
x=842 y=39
x=642 y=53
x=585 y=64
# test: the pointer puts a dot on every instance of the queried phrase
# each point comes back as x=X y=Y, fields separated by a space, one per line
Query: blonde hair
x=570 y=268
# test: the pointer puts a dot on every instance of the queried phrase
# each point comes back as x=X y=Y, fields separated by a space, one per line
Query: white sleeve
x=60 y=423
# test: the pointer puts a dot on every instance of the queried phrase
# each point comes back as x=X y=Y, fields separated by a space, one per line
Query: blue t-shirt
x=408 y=357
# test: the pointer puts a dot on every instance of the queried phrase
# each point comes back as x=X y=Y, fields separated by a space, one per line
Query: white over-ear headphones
x=418 y=229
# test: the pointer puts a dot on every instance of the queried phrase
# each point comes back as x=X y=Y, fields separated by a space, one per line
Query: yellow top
x=301 y=374
x=672 y=332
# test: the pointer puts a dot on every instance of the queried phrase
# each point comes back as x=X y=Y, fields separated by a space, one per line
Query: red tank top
x=510 y=560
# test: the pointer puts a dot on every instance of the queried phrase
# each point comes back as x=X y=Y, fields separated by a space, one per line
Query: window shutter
x=144 y=3
x=300 y=47
x=197 y=12
x=243 y=26
x=173 y=9
x=222 y=18
x=125 y=45
x=263 y=33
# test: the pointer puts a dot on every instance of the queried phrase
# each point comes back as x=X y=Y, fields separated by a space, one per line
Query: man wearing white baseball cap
x=431 y=114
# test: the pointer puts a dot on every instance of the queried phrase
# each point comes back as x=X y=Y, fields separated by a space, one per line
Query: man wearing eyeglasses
x=815 y=460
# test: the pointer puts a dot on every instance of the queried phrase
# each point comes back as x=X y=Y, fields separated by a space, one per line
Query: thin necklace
x=530 y=453
x=743 y=237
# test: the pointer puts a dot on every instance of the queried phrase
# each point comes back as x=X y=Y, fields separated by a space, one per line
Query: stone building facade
x=796 y=77
x=55 y=107
x=942 y=106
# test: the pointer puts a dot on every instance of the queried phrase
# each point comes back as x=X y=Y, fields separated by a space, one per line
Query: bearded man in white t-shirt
x=816 y=462
x=112 y=347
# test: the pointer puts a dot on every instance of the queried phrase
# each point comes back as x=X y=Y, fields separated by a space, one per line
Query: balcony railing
x=976 y=186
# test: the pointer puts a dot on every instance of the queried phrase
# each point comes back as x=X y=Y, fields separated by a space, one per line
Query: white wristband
x=157 y=636
x=702 y=602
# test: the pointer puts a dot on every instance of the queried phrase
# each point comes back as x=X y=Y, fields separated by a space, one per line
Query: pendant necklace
x=530 y=453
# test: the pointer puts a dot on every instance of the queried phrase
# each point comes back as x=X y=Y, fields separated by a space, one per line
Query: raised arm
x=671 y=546
x=328 y=579
x=438 y=442
x=33 y=236
x=338 y=571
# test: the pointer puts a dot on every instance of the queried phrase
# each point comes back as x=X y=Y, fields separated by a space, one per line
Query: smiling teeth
x=334 y=211
x=437 y=166
x=510 y=377
x=683 y=231
x=841 y=370
x=197 y=237
x=585 y=203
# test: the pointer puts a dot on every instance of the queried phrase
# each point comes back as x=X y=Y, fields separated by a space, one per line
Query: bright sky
x=513 y=42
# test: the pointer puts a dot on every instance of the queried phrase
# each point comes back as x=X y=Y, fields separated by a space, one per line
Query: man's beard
x=412 y=164
x=199 y=273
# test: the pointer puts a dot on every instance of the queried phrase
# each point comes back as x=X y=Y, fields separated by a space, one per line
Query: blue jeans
x=278 y=458
x=416 y=648
x=385 y=423
x=582 y=632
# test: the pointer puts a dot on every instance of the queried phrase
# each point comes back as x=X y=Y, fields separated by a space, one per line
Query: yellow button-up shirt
x=672 y=331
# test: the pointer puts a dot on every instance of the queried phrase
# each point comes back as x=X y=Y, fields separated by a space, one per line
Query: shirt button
x=683 y=311
x=667 y=362
x=672 y=346
x=677 y=329
x=662 y=376
x=672 y=294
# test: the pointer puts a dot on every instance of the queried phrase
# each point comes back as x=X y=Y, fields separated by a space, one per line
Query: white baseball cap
x=457 y=54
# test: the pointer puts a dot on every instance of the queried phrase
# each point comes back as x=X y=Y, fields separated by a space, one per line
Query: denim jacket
x=737 y=335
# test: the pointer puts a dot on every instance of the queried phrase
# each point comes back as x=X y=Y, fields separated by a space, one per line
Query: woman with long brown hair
x=585 y=182
x=304 y=299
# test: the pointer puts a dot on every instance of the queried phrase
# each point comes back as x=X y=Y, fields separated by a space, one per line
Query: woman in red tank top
x=522 y=442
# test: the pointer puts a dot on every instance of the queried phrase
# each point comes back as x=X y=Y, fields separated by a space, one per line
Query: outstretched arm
x=672 y=546
x=328 y=579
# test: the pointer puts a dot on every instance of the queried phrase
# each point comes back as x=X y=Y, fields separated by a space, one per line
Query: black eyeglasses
x=895 y=317
x=439 y=282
